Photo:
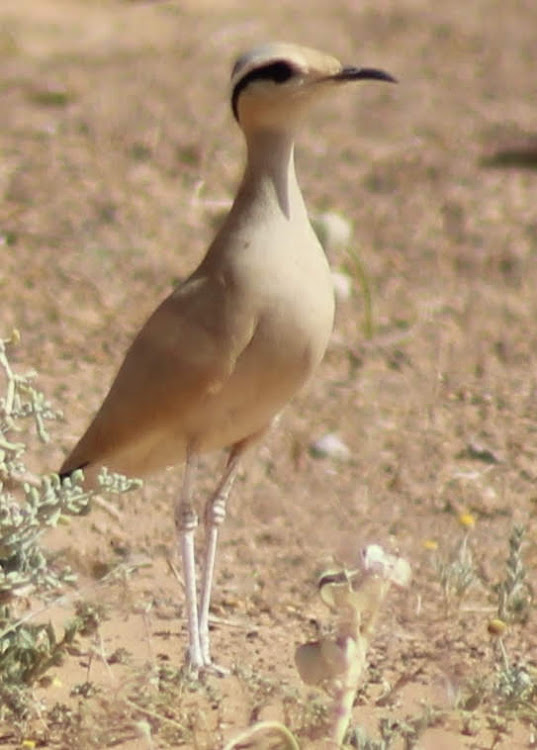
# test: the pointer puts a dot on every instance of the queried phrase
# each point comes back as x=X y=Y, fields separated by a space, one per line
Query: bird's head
x=274 y=84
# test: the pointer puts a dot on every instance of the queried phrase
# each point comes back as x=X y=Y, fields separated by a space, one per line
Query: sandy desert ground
x=118 y=155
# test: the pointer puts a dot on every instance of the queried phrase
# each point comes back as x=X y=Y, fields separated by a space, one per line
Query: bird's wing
x=185 y=352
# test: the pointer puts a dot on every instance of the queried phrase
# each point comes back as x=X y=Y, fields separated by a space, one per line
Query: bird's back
x=222 y=354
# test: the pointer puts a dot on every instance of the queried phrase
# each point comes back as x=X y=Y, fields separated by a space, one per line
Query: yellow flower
x=430 y=544
x=467 y=520
x=28 y=744
x=496 y=627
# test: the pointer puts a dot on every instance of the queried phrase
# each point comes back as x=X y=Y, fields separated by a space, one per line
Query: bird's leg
x=215 y=513
x=186 y=522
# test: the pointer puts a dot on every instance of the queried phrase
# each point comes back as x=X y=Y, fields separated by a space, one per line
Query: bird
x=230 y=346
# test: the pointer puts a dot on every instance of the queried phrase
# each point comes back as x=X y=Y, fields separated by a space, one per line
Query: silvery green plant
x=30 y=504
x=514 y=592
x=456 y=574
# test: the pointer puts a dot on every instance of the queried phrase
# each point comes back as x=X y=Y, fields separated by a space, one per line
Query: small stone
x=479 y=452
x=330 y=446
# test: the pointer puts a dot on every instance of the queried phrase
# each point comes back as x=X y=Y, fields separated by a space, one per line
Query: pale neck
x=270 y=172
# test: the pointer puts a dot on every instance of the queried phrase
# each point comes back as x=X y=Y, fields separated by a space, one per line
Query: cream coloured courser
x=230 y=346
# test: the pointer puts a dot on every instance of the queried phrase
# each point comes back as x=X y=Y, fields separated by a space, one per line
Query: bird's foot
x=209 y=667
x=196 y=672
x=205 y=648
x=198 y=662
x=217 y=670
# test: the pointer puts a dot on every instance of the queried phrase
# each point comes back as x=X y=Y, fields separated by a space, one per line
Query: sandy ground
x=118 y=154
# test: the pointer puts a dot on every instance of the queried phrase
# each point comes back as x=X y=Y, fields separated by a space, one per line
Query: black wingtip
x=66 y=474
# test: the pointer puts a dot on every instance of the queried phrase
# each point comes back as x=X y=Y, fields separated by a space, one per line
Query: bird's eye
x=278 y=71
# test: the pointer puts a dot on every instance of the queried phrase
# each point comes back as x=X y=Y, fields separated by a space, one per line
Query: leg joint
x=215 y=510
x=186 y=519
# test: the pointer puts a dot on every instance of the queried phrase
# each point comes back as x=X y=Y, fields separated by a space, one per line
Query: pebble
x=330 y=446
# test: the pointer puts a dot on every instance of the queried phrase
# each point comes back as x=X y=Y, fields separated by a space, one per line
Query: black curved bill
x=350 y=73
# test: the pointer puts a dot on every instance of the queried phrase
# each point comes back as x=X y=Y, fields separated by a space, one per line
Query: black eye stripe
x=279 y=72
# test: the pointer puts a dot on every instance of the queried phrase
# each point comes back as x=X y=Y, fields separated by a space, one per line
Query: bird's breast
x=289 y=294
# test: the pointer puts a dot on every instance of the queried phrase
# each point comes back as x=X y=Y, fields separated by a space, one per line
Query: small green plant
x=456 y=573
x=29 y=651
x=336 y=664
x=508 y=692
x=28 y=506
x=515 y=682
x=514 y=592
x=359 y=271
